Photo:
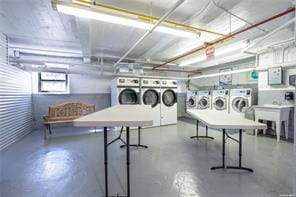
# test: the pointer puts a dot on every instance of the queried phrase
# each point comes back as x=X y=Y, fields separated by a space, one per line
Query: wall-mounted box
x=292 y=80
x=275 y=76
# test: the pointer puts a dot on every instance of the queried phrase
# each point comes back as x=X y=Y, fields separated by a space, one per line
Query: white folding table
x=218 y=120
x=118 y=116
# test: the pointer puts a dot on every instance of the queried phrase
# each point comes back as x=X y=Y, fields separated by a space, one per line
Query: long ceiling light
x=84 y=12
x=237 y=47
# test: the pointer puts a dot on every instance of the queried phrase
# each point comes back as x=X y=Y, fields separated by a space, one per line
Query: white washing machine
x=168 y=106
x=220 y=100
x=204 y=100
x=191 y=98
x=125 y=91
x=150 y=95
x=240 y=100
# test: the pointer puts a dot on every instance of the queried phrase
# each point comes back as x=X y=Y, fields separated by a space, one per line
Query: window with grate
x=53 y=82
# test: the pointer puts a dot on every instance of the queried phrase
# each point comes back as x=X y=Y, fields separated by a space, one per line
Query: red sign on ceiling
x=210 y=52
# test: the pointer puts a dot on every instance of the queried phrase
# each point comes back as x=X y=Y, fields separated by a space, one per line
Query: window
x=53 y=82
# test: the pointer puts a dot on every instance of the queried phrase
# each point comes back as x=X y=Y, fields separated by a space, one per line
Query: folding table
x=118 y=116
x=218 y=120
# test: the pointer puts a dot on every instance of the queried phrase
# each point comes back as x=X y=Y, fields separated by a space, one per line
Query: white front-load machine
x=191 y=98
x=220 y=100
x=150 y=95
x=125 y=91
x=168 y=106
x=240 y=100
x=204 y=100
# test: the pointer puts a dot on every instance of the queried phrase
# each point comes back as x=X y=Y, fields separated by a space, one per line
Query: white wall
x=82 y=84
x=237 y=79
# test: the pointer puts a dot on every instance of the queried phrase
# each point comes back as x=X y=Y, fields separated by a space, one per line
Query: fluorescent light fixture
x=218 y=53
x=224 y=73
x=57 y=65
x=90 y=14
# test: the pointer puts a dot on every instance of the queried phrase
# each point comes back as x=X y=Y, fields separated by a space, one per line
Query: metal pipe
x=236 y=16
x=145 y=17
x=270 y=34
x=166 y=15
x=227 y=37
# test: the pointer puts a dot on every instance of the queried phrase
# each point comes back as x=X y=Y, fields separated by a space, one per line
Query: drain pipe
x=164 y=17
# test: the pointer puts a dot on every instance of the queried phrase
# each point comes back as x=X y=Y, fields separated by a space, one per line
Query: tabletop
x=118 y=116
x=220 y=120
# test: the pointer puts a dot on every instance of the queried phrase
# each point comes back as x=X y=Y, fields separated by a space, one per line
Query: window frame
x=67 y=81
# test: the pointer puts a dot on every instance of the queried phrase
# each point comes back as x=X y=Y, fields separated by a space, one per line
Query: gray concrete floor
x=174 y=166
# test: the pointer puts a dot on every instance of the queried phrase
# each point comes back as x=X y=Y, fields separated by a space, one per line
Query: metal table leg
x=223 y=153
x=239 y=167
x=201 y=136
x=128 y=160
x=106 y=160
x=139 y=145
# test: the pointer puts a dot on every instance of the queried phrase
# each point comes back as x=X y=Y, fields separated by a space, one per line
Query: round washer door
x=151 y=97
x=220 y=103
x=128 y=97
x=240 y=104
x=203 y=103
x=191 y=101
x=169 y=98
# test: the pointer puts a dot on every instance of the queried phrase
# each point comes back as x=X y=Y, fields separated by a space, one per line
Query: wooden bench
x=65 y=113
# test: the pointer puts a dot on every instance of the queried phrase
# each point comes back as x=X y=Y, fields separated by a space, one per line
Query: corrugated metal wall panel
x=15 y=100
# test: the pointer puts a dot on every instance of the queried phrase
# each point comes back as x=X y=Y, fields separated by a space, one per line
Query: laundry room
x=146 y=98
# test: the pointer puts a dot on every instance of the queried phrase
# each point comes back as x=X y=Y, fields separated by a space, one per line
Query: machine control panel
x=240 y=92
x=128 y=82
x=204 y=93
x=220 y=92
x=169 y=83
x=150 y=82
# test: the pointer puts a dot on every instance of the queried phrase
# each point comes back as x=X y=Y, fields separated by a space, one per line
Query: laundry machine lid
x=151 y=97
x=204 y=103
x=240 y=104
x=128 y=97
x=220 y=103
x=191 y=102
x=169 y=97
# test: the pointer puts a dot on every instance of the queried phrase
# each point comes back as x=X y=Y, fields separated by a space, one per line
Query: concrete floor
x=174 y=166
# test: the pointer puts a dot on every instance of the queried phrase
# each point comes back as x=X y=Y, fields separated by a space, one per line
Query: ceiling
x=34 y=24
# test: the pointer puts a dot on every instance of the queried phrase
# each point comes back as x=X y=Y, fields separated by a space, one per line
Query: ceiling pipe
x=102 y=66
x=144 y=17
x=236 y=16
x=166 y=15
x=269 y=34
x=227 y=37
